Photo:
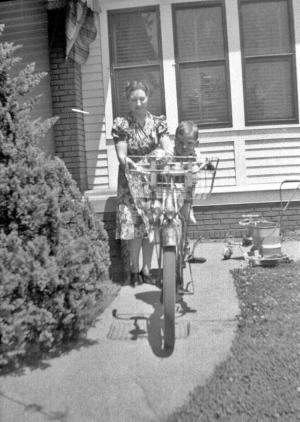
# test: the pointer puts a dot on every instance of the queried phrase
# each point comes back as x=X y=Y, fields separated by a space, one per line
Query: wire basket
x=154 y=182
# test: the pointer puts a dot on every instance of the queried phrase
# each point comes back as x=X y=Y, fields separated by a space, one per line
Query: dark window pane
x=265 y=27
x=202 y=66
x=151 y=75
x=200 y=33
x=135 y=37
x=268 y=61
x=136 y=55
x=269 y=90
x=204 y=93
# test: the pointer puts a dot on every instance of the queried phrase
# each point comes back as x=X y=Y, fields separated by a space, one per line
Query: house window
x=268 y=55
x=201 y=58
x=136 y=54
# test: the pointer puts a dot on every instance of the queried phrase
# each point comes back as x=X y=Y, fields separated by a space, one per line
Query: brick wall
x=215 y=222
x=66 y=94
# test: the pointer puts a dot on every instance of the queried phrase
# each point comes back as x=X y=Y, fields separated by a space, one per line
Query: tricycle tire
x=169 y=295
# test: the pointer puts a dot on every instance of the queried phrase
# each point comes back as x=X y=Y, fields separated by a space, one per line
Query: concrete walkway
x=122 y=374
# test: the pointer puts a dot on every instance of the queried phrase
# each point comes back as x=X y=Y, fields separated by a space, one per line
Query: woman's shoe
x=147 y=278
x=135 y=279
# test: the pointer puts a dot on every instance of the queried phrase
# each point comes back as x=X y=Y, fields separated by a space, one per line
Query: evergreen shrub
x=53 y=251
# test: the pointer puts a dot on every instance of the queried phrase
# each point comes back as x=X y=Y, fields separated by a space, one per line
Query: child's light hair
x=186 y=132
x=187 y=128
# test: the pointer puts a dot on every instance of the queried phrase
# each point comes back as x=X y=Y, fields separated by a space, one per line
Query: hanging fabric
x=81 y=28
x=82 y=17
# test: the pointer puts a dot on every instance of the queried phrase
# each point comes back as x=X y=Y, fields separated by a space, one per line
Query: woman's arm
x=164 y=140
x=166 y=143
x=120 y=133
x=121 y=150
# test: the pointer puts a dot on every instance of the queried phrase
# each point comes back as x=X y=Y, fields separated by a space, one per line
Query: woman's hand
x=129 y=162
x=167 y=145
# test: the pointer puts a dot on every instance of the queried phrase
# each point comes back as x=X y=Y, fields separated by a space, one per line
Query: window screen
x=268 y=61
x=135 y=51
x=202 y=63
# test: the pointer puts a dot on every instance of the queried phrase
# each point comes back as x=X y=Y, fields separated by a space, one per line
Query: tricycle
x=163 y=193
x=261 y=244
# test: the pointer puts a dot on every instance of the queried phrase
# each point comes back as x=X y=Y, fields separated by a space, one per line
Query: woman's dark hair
x=187 y=128
x=133 y=85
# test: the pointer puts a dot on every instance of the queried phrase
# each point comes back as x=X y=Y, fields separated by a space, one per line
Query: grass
x=260 y=381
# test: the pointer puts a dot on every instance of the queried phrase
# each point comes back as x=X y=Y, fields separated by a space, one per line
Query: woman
x=139 y=133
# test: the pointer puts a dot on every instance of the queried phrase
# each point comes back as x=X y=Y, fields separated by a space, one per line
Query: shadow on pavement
x=39 y=360
x=155 y=323
x=155 y=326
x=61 y=416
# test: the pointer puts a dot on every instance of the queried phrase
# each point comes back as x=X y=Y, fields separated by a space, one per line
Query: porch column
x=65 y=77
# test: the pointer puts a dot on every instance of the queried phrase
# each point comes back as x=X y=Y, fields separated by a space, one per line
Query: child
x=186 y=139
x=186 y=143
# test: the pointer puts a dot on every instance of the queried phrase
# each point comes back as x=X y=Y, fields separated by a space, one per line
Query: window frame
x=257 y=58
x=178 y=62
x=113 y=67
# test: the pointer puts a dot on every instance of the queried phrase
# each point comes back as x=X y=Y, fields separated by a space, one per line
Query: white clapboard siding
x=93 y=134
x=273 y=143
x=98 y=182
x=273 y=153
x=26 y=24
x=97 y=169
x=94 y=122
x=96 y=111
x=96 y=155
x=93 y=93
x=272 y=160
x=276 y=162
x=225 y=175
x=98 y=172
x=92 y=142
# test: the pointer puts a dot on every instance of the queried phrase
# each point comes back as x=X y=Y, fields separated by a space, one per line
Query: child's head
x=186 y=138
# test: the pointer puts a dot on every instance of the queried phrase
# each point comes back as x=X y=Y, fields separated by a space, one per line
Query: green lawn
x=260 y=381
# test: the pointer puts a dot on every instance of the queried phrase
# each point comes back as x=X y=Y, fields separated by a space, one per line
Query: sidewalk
x=123 y=375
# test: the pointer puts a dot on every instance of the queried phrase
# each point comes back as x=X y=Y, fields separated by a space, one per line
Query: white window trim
x=167 y=58
x=167 y=38
x=235 y=63
x=235 y=75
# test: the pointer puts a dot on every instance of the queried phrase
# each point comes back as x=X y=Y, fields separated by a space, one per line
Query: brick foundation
x=215 y=222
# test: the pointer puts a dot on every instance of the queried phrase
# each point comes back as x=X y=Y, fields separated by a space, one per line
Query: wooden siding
x=26 y=24
x=225 y=175
x=97 y=170
x=93 y=103
x=254 y=158
x=272 y=160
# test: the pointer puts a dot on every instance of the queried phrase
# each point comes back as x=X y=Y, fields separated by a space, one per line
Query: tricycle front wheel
x=169 y=295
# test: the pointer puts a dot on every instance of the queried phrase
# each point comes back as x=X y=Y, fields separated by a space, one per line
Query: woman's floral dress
x=140 y=141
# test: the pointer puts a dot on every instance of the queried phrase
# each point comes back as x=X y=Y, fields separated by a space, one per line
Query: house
x=232 y=66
